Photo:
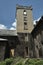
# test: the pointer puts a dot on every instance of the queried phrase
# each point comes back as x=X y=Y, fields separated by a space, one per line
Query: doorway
x=7 y=51
x=11 y=52
x=40 y=53
x=26 y=51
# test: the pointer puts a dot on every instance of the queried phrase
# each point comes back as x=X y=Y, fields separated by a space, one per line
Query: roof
x=1 y=39
x=38 y=24
x=23 y=7
x=8 y=32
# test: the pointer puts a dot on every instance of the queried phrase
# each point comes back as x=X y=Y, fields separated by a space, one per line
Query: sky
x=8 y=11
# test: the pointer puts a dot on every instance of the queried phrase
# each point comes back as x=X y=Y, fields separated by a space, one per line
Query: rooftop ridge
x=8 y=32
x=23 y=7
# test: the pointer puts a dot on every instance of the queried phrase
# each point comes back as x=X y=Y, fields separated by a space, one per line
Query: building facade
x=37 y=35
x=26 y=40
x=24 y=28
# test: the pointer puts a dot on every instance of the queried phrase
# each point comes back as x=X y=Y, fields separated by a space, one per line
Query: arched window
x=25 y=13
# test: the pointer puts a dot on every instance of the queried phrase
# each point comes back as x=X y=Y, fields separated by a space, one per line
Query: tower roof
x=24 y=7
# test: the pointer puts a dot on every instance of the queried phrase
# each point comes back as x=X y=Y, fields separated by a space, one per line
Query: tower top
x=24 y=19
x=24 y=7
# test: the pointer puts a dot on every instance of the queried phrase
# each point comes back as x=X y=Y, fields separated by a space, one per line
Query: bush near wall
x=7 y=61
x=22 y=61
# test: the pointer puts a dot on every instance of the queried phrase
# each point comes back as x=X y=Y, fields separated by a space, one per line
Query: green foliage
x=29 y=62
x=22 y=61
x=39 y=62
x=2 y=63
x=7 y=61
x=34 y=62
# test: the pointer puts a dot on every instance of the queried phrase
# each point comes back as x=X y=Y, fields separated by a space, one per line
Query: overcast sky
x=8 y=10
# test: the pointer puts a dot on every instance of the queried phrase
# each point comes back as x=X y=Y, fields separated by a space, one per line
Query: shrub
x=7 y=61
x=39 y=62
x=2 y=63
x=19 y=63
x=34 y=62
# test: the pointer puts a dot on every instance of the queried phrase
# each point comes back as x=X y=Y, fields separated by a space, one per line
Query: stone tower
x=24 y=28
x=24 y=19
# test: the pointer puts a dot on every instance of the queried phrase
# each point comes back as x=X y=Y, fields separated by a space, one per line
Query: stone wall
x=25 y=48
x=38 y=40
x=2 y=50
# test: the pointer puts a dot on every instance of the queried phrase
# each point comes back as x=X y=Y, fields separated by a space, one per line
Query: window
x=26 y=37
x=25 y=13
x=25 y=18
x=25 y=26
x=25 y=23
x=37 y=46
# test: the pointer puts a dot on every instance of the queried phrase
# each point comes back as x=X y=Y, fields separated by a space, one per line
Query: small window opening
x=25 y=13
x=25 y=26
x=26 y=37
x=25 y=23
x=25 y=18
